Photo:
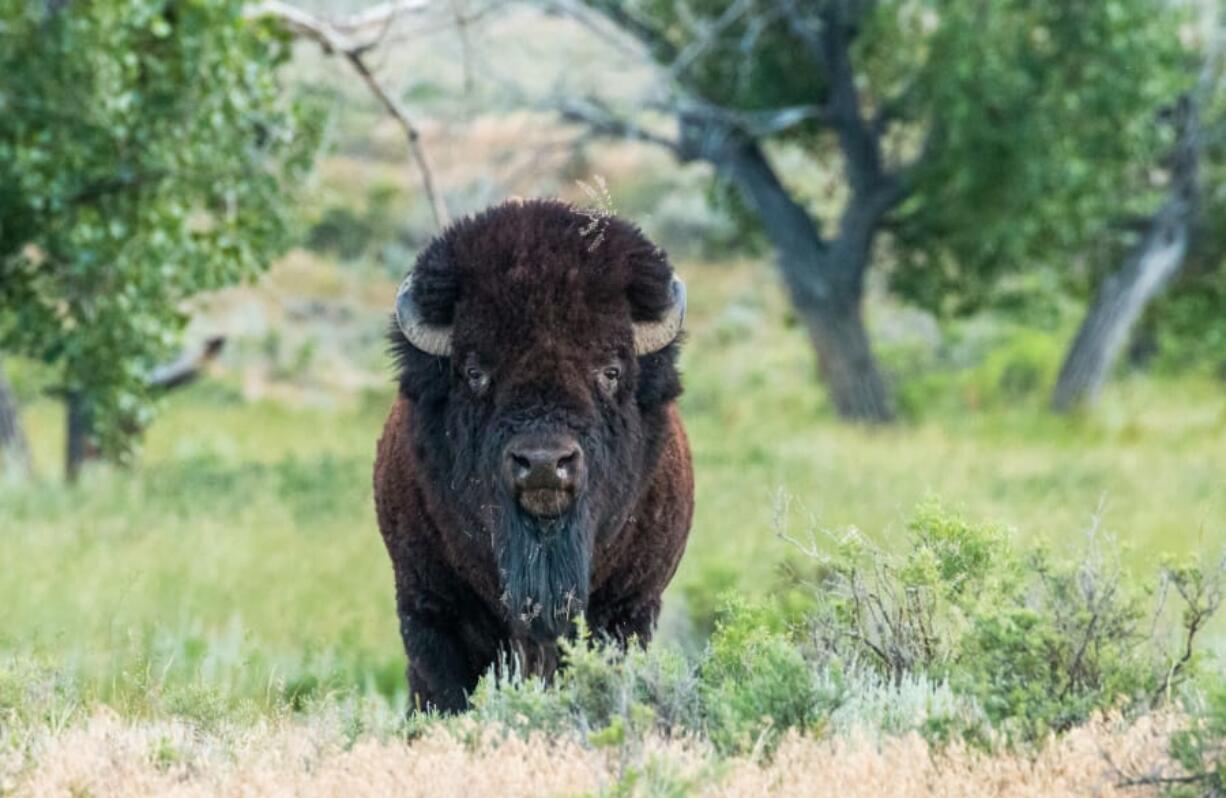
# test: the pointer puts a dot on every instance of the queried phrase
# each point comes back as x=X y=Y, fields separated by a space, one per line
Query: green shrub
x=752 y=684
x=978 y=365
x=907 y=614
x=603 y=694
x=755 y=683
x=959 y=636
x=342 y=231
x=1039 y=644
x=1022 y=370
x=1201 y=748
x=350 y=234
x=870 y=706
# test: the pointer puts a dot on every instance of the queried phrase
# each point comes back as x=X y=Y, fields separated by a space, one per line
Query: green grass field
x=240 y=557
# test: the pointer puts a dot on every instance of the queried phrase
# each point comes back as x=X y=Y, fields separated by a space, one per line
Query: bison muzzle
x=533 y=469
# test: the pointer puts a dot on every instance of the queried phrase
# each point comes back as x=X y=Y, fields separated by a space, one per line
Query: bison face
x=539 y=366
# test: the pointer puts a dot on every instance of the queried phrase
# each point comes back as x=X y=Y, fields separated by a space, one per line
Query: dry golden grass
x=108 y=756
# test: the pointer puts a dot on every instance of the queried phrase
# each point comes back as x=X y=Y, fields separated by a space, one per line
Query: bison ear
x=433 y=339
x=652 y=336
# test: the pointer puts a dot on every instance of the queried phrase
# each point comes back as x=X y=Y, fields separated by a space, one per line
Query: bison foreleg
x=631 y=621
x=439 y=674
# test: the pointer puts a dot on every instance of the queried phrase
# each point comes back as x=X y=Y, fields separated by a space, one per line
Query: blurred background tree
x=146 y=150
x=976 y=140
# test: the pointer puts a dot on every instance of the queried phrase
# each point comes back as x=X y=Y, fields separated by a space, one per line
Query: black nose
x=545 y=464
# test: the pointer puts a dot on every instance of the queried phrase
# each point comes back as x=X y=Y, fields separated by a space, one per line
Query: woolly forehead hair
x=542 y=257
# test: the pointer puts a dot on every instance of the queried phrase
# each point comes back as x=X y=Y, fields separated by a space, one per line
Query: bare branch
x=602 y=120
x=755 y=124
x=376 y=20
x=610 y=33
x=334 y=41
x=828 y=39
x=708 y=36
x=187 y=367
x=461 y=25
x=651 y=38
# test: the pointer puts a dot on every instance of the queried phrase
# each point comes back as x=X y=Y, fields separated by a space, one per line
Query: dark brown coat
x=542 y=300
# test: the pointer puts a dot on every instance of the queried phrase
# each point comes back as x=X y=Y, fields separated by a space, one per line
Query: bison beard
x=545 y=566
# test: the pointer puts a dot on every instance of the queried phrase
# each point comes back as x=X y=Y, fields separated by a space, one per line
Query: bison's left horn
x=433 y=339
x=652 y=336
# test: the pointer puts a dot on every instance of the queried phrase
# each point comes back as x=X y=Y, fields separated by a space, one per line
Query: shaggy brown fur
x=542 y=304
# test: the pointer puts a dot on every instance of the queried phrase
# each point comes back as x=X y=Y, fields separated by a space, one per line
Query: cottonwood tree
x=1185 y=227
x=1186 y=327
x=146 y=150
x=1150 y=263
x=979 y=138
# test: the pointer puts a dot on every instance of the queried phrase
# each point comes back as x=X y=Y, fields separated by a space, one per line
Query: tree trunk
x=1124 y=295
x=14 y=451
x=825 y=279
x=78 y=446
x=847 y=364
x=1117 y=307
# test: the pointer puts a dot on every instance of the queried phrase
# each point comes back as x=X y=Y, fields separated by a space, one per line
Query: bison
x=534 y=468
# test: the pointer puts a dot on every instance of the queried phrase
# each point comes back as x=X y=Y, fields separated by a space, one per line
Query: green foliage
x=961 y=636
x=609 y=696
x=351 y=234
x=1035 y=126
x=1014 y=368
x=145 y=153
x=755 y=683
x=752 y=685
x=1187 y=321
x=1200 y=749
x=1039 y=644
x=970 y=640
x=748 y=63
x=1044 y=121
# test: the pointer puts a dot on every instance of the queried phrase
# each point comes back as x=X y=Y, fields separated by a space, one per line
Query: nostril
x=544 y=467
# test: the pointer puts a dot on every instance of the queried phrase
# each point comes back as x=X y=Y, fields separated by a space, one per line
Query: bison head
x=538 y=344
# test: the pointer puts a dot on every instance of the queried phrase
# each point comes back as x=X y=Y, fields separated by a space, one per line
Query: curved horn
x=433 y=339
x=652 y=336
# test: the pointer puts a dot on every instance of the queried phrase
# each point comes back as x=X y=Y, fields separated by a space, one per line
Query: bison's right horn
x=433 y=339
x=652 y=336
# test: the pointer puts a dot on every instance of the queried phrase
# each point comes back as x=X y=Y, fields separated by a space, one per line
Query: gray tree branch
x=335 y=41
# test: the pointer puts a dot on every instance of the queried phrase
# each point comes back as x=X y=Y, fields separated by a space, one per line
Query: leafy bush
x=350 y=234
x=755 y=683
x=1201 y=748
x=752 y=685
x=961 y=636
x=602 y=694
x=1039 y=644
x=980 y=364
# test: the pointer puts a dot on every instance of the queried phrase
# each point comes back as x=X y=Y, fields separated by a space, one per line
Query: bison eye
x=477 y=379
x=608 y=378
